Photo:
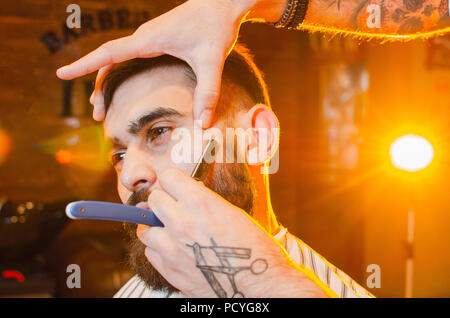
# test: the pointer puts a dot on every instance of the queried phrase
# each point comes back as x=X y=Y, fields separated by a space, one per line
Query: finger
x=153 y=237
x=157 y=241
x=111 y=52
x=97 y=96
x=179 y=185
x=207 y=92
x=164 y=206
x=157 y=260
x=153 y=257
x=141 y=228
x=101 y=74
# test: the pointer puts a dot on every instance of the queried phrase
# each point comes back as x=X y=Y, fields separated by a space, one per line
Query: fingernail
x=205 y=118
x=60 y=71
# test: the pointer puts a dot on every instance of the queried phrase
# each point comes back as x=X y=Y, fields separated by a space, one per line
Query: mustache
x=138 y=196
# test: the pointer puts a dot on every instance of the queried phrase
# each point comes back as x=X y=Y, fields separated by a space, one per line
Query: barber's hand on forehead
x=198 y=32
x=193 y=214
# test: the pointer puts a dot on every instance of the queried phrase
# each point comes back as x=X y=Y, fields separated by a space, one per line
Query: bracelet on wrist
x=293 y=15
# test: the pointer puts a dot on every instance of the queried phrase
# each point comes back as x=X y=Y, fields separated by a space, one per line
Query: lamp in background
x=410 y=153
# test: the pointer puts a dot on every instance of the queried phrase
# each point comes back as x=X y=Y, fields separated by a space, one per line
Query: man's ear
x=264 y=134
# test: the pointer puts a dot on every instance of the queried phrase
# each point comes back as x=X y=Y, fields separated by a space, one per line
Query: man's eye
x=155 y=133
x=117 y=157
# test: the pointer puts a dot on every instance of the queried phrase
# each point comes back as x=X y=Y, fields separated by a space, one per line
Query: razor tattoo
x=223 y=266
x=379 y=18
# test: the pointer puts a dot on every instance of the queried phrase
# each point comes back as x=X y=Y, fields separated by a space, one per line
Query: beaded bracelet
x=294 y=14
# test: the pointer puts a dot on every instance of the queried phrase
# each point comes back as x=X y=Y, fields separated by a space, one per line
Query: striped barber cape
x=339 y=282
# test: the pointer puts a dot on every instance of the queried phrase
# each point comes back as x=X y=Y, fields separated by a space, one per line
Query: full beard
x=230 y=180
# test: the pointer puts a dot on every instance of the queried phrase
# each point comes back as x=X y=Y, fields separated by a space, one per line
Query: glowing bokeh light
x=80 y=148
x=411 y=153
x=5 y=145
x=64 y=156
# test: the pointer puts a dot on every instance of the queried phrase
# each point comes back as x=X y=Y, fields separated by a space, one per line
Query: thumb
x=207 y=92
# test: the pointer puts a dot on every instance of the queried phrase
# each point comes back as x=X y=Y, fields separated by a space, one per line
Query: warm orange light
x=64 y=156
x=5 y=145
x=411 y=153
x=371 y=35
x=81 y=148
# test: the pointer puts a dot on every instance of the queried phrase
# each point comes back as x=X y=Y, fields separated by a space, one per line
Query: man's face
x=144 y=112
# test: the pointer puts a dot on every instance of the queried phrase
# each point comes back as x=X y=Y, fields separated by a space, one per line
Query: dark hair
x=240 y=75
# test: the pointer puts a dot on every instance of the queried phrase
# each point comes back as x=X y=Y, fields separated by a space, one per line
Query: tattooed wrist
x=380 y=16
x=220 y=271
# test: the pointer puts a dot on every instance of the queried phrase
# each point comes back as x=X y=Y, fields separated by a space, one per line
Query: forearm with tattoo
x=379 y=18
x=222 y=266
x=233 y=271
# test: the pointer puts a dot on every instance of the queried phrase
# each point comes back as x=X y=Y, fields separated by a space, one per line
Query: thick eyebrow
x=136 y=126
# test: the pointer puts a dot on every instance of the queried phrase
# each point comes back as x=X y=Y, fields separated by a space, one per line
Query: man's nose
x=137 y=171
